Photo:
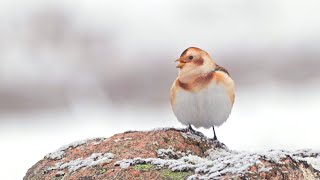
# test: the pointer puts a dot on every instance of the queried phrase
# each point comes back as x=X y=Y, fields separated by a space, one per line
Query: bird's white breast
x=208 y=107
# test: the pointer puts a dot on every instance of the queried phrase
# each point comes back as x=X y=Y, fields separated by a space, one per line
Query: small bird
x=203 y=93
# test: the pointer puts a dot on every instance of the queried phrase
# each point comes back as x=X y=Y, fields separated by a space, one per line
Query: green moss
x=143 y=167
x=101 y=171
x=173 y=175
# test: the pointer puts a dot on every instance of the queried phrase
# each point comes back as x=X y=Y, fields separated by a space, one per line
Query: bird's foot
x=215 y=138
x=217 y=144
x=192 y=131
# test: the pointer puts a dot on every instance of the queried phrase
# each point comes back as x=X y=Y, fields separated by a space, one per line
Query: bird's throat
x=196 y=82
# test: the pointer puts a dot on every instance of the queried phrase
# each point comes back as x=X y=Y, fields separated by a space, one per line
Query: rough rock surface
x=170 y=154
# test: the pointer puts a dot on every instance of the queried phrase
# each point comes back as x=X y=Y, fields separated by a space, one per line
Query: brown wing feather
x=220 y=68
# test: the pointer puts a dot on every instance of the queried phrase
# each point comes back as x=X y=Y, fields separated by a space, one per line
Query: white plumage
x=206 y=108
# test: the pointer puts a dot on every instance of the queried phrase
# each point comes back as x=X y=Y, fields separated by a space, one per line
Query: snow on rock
x=55 y=155
x=310 y=156
x=169 y=153
x=59 y=154
x=92 y=160
x=124 y=139
x=221 y=161
x=314 y=162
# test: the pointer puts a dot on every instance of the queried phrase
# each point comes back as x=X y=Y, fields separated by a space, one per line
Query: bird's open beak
x=181 y=63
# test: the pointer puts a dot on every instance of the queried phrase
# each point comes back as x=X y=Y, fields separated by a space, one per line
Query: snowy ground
x=261 y=120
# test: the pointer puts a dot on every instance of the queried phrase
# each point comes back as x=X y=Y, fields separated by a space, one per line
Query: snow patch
x=124 y=139
x=92 y=160
x=169 y=153
x=59 y=154
x=55 y=155
x=265 y=169
x=222 y=161
x=124 y=165
x=310 y=156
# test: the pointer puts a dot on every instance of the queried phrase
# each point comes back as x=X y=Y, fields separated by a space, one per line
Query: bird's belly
x=206 y=108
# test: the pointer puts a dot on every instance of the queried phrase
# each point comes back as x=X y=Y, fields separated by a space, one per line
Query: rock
x=170 y=154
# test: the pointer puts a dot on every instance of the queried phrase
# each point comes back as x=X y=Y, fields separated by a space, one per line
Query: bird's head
x=195 y=59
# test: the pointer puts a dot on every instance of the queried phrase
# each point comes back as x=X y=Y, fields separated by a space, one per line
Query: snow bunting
x=203 y=93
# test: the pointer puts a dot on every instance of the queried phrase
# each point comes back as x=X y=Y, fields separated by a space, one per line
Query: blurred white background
x=72 y=70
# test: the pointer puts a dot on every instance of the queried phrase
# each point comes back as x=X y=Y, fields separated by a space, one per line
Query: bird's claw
x=192 y=131
x=217 y=144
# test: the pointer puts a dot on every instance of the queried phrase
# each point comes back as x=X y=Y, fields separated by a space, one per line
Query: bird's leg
x=214 y=133
x=216 y=143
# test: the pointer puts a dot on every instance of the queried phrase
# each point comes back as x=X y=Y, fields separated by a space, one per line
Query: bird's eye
x=190 y=57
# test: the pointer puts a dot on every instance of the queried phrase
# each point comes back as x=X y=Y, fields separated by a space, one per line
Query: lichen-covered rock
x=170 y=154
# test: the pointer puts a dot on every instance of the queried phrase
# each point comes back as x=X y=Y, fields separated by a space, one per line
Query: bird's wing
x=221 y=76
x=173 y=92
x=220 y=68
